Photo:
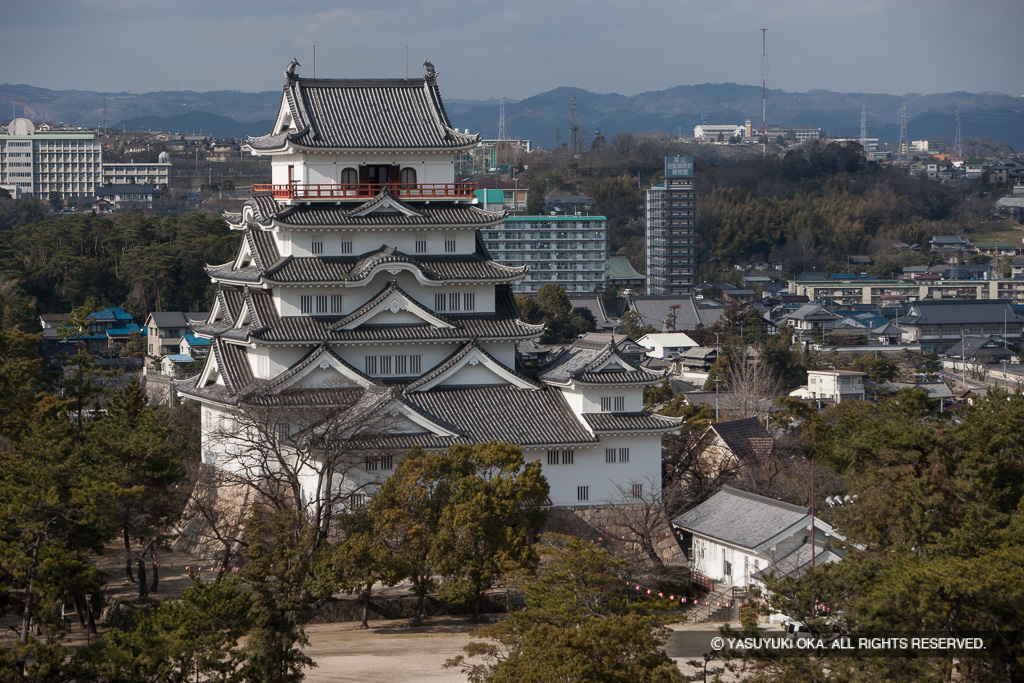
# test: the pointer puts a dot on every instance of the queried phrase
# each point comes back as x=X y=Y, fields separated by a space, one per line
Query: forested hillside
x=142 y=263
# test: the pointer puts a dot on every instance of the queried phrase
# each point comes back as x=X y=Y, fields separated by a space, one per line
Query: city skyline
x=522 y=49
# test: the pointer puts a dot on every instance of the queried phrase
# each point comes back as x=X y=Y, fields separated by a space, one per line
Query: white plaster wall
x=288 y=300
x=591 y=397
x=431 y=167
x=603 y=479
x=297 y=241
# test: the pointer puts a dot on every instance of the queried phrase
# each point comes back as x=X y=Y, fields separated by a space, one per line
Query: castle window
x=306 y=303
x=582 y=493
x=349 y=176
x=346 y=247
x=336 y=302
x=407 y=176
x=316 y=247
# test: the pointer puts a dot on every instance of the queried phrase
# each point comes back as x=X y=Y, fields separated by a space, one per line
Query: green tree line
x=143 y=263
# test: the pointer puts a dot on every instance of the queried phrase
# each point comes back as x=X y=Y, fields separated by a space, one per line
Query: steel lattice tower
x=958 y=141
x=574 y=130
x=904 y=146
x=502 y=128
x=864 y=127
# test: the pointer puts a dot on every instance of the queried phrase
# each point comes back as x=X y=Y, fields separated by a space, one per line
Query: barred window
x=623 y=455
x=609 y=455
x=454 y=301
x=371 y=365
x=637 y=490
x=306 y=303
x=346 y=247
x=439 y=302
x=469 y=301
x=317 y=247
x=321 y=304
x=421 y=246
x=336 y=303
x=582 y=493
x=357 y=500
x=387 y=462
x=449 y=244
x=567 y=456
x=552 y=457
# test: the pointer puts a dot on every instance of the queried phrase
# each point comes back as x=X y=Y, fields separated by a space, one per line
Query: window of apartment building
x=316 y=247
x=637 y=490
x=582 y=493
x=613 y=404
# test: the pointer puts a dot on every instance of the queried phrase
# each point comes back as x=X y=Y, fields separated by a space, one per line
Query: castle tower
x=360 y=285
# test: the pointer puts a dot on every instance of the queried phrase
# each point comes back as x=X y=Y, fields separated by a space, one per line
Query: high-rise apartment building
x=570 y=251
x=671 y=212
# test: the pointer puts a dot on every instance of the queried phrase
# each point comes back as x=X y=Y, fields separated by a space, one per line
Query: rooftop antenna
x=314 y=59
x=407 y=61
x=764 y=99
x=958 y=141
x=904 y=146
x=502 y=129
x=864 y=127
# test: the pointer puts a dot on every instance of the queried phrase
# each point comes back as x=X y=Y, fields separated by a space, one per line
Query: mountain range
x=544 y=118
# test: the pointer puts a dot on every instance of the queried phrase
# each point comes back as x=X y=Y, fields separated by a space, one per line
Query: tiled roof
x=320 y=214
x=655 y=310
x=453 y=359
x=742 y=518
x=583 y=364
x=629 y=422
x=958 y=313
x=233 y=365
x=505 y=413
x=366 y=114
x=746 y=438
x=504 y=323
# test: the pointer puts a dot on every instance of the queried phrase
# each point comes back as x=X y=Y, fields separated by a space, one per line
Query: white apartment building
x=570 y=251
x=36 y=162
x=132 y=173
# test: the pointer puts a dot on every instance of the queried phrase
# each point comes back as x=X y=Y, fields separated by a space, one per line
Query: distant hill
x=678 y=109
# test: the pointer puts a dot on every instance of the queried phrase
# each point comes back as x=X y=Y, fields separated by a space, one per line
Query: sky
x=482 y=48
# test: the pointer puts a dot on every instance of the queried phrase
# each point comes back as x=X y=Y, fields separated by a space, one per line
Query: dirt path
x=389 y=651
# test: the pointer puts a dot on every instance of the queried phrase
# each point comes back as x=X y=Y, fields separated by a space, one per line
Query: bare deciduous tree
x=310 y=451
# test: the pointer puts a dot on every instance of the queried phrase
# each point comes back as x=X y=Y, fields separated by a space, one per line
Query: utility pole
x=574 y=130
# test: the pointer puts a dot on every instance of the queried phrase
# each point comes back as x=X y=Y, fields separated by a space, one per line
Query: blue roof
x=180 y=358
x=110 y=314
x=124 y=331
x=193 y=340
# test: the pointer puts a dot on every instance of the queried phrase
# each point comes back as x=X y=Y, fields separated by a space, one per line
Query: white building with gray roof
x=735 y=534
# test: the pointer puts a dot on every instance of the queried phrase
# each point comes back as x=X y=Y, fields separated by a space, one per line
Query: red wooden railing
x=364 y=190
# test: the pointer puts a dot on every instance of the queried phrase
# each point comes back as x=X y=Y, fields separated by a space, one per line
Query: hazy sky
x=523 y=47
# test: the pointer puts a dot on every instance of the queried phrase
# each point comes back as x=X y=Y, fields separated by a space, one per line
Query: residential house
x=674 y=313
x=832 y=385
x=736 y=537
x=165 y=330
x=666 y=344
x=810 y=321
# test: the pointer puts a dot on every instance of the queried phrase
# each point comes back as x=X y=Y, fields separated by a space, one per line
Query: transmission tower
x=104 y=112
x=502 y=129
x=958 y=141
x=864 y=127
x=574 y=130
x=904 y=146
x=764 y=99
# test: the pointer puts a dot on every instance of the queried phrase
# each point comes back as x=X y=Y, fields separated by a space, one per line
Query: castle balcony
x=363 y=191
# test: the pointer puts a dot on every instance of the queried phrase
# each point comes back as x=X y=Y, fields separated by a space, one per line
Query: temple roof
x=506 y=413
x=504 y=323
x=606 y=365
x=266 y=210
x=631 y=422
x=364 y=114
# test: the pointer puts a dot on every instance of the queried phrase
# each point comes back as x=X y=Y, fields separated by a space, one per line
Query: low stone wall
x=606 y=522
x=400 y=607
